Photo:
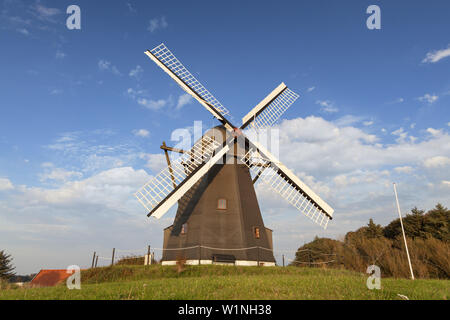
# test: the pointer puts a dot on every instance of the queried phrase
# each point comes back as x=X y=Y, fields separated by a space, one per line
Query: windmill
x=218 y=217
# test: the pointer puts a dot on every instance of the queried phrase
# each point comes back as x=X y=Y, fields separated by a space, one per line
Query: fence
x=149 y=255
x=429 y=260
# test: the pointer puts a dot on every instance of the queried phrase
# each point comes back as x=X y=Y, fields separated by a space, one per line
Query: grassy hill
x=228 y=282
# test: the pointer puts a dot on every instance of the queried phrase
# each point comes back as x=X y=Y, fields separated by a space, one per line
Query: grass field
x=228 y=282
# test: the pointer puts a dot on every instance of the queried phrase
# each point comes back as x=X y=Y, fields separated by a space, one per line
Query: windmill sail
x=164 y=190
x=269 y=110
x=265 y=166
x=165 y=59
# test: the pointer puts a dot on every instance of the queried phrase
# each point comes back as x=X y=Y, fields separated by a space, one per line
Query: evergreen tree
x=373 y=230
x=437 y=223
x=6 y=268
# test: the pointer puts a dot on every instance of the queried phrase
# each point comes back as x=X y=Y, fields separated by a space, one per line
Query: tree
x=437 y=223
x=413 y=223
x=6 y=268
x=373 y=230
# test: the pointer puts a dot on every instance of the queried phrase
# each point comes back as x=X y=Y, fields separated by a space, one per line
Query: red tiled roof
x=49 y=278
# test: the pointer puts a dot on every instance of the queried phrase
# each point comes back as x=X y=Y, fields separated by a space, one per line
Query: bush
x=427 y=238
x=131 y=260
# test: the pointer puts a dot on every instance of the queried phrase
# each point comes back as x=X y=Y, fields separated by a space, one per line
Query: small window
x=184 y=228
x=256 y=232
x=222 y=204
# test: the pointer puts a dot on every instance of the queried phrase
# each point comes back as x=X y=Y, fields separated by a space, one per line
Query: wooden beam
x=164 y=147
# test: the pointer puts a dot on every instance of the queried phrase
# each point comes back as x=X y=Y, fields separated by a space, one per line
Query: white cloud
x=134 y=94
x=157 y=23
x=105 y=65
x=136 y=72
x=47 y=165
x=183 y=100
x=438 y=161
x=445 y=182
x=368 y=123
x=55 y=92
x=327 y=106
x=435 y=56
x=141 y=133
x=23 y=31
x=92 y=151
x=131 y=8
x=402 y=135
x=60 y=175
x=152 y=104
x=45 y=13
x=141 y=97
x=156 y=162
x=428 y=98
x=330 y=149
x=108 y=188
x=60 y=54
x=310 y=89
x=405 y=169
x=434 y=132
x=347 y=120
x=5 y=184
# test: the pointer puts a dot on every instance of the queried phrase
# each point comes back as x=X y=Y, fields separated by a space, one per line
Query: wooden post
x=199 y=255
x=283 y=260
x=96 y=260
x=93 y=260
x=149 y=258
x=258 y=255
x=310 y=258
x=112 y=260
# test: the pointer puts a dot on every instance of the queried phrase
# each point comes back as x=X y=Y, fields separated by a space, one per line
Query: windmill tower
x=218 y=217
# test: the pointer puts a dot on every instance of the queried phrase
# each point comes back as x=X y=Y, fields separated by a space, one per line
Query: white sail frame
x=160 y=193
x=293 y=190
x=167 y=61
x=271 y=108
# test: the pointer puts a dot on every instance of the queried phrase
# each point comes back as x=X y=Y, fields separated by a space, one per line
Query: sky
x=83 y=113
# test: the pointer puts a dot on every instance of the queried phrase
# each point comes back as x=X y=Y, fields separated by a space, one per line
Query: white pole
x=403 y=231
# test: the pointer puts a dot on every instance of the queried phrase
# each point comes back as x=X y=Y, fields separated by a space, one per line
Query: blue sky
x=83 y=112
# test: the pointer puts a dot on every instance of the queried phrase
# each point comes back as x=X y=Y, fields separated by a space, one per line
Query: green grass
x=227 y=282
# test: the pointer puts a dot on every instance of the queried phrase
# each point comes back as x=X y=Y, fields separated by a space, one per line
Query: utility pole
x=403 y=231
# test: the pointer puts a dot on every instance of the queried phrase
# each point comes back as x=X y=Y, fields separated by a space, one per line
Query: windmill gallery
x=218 y=219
